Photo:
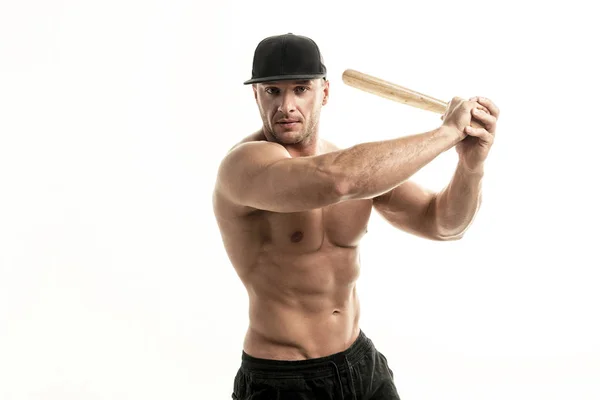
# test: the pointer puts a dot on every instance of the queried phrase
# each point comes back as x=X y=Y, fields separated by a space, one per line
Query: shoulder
x=241 y=163
x=246 y=159
x=257 y=136
x=328 y=146
x=249 y=143
x=247 y=153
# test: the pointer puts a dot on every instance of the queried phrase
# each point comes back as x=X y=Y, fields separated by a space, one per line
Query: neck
x=304 y=149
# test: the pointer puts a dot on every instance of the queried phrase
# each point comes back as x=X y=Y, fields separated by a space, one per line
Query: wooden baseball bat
x=392 y=91
x=397 y=93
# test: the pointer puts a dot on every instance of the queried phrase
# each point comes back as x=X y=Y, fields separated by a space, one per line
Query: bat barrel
x=392 y=91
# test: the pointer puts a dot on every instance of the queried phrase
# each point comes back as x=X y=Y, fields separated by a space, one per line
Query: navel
x=296 y=236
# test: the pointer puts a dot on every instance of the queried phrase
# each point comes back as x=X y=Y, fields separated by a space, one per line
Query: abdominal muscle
x=305 y=307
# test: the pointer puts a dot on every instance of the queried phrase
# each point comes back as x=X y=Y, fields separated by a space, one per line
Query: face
x=290 y=110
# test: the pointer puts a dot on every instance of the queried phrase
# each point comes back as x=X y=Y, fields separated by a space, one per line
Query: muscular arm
x=455 y=207
x=442 y=216
x=262 y=175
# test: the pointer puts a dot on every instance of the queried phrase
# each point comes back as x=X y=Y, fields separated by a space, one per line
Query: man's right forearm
x=370 y=169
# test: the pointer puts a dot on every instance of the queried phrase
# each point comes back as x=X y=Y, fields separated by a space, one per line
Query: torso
x=300 y=271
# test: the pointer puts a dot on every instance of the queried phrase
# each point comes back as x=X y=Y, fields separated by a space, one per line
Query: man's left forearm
x=455 y=207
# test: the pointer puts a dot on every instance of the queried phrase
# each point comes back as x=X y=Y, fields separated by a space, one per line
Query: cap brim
x=284 y=78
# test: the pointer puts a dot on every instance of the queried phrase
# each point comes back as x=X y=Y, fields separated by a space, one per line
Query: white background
x=114 y=116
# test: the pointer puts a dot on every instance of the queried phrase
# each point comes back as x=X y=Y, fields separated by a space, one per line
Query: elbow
x=447 y=234
x=448 y=237
x=338 y=184
x=342 y=188
x=440 y=230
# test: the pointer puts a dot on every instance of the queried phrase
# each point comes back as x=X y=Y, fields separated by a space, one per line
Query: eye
x=272 y=90
x=302 y=89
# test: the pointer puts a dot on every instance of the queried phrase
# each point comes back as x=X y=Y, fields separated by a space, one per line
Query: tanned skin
x=292 y=209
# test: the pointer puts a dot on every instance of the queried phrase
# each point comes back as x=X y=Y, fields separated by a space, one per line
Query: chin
x=288 y=133
x=287 y=139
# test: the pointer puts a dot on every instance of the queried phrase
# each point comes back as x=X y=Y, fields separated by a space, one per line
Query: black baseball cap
x=287 y=57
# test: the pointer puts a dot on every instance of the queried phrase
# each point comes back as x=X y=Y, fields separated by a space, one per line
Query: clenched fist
x=474 y=122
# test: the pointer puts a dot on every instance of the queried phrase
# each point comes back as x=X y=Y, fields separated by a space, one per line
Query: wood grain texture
x=395 y=92
x=392 y=91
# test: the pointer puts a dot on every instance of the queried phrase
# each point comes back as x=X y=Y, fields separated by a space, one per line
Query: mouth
x=287 y=123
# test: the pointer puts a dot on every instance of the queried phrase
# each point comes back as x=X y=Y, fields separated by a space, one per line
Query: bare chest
x=341 y=225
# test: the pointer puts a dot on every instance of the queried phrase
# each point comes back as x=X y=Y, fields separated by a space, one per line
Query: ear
x=254 y=89
x=325 y=84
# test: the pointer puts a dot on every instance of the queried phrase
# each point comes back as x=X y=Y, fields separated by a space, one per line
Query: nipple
x=296 y=236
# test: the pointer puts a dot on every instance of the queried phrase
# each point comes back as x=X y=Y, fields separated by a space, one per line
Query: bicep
x=409 y=207
x=264 y=176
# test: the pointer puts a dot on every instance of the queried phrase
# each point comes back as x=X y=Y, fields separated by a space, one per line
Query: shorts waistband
x=314 y=366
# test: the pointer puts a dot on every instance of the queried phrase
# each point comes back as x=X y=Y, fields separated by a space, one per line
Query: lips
x=288 y=123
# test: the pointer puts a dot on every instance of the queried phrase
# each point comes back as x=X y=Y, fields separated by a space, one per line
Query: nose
x=288 y=102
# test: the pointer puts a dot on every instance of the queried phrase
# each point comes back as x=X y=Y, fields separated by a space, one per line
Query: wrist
x=453 y=134
x=470 y=169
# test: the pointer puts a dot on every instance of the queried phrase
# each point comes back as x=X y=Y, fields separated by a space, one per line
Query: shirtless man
x=292 y=209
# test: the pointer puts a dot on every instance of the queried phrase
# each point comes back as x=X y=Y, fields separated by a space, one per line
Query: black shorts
x=360 y=372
